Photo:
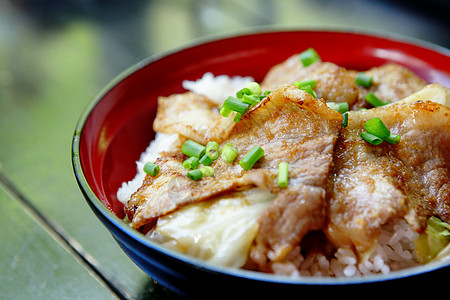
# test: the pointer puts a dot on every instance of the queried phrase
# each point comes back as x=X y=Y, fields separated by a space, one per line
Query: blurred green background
x=55 y=57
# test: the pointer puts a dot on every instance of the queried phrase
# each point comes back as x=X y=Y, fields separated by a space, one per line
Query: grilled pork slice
x=391 y=82
x=286 y=72
x=370 y=185
x=333 y=83
x=193 y=116
x=291 y=126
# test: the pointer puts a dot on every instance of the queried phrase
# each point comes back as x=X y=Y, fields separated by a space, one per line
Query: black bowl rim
x=96 y=204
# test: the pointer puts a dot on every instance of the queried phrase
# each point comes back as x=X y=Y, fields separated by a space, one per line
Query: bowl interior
x=118 y=126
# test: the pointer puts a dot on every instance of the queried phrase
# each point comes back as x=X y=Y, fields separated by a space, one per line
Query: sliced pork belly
x=286 y=72
x=193 y=116
x=391 y=82
x=334 y=83
x=291 y=126
x=296 y=128
x=371 y=185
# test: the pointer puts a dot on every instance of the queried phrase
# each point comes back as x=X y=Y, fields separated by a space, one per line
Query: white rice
x=394 y=249
x=217 y=88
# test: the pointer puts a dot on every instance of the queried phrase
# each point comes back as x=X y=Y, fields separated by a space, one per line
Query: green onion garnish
x=235 y=104
x=206 y=160
x=225 y=111
x=283 y=173
x=212 y=150
x=363 y=80
x=229 y=153
x=207 y=171
x=308 y=57
x=242 y=92
x=251 y=157
x=310 y=82
x=341 y=107
x=251 y=99
x=374 y=100
x=237 y=117
x=370 y=138
x=376 y=127
x=307 y=86
x=309 y=90
x=151 y=169
x=191 y=148
x=345 y=121
x=249 y=95
x=254 y=87
x=250 y=88
x=393 y=139
x=191 y=163
x=195 y=174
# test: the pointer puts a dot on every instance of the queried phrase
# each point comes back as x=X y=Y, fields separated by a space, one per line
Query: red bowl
x=117 y=127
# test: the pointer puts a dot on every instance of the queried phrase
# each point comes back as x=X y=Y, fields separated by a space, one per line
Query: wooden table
x=55 y=56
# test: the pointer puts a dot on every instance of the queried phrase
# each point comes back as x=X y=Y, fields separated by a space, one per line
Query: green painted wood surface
x=35 y=265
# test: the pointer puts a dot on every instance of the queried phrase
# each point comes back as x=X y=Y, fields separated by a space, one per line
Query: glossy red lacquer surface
x=119 y=127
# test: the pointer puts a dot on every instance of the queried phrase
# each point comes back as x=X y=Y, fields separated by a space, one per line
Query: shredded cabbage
x=434 y=240
x=219 y=231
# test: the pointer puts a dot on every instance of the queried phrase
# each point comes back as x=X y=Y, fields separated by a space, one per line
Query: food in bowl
x=316 y=170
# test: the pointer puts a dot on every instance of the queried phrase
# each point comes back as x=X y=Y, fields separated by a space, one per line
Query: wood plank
x=38 y=113
x=47 y=78
x=35 y=265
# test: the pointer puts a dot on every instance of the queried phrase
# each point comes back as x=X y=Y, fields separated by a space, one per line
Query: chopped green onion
x=225 y=111
x=151 y=169
x=254 y=87
x=250 y=88
x=206 y=160
x=251 y=157
x=374 y=100
x=309 y=90
x=191 y=163
x=345 y=121
x=283 y=173
x=370 y=138
x=195 y=174
x=393 y=139
x=310 y=82
x=191 y=148
x=242 y=92
x=308 y=57
x=341 y=107
x=229 y=153
x=212 y=150
x=251 y=99
x=207 y=171
x=376 y=127
x=237 y=117
x=235 y=104
x=266 y=93
x=363 y=80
